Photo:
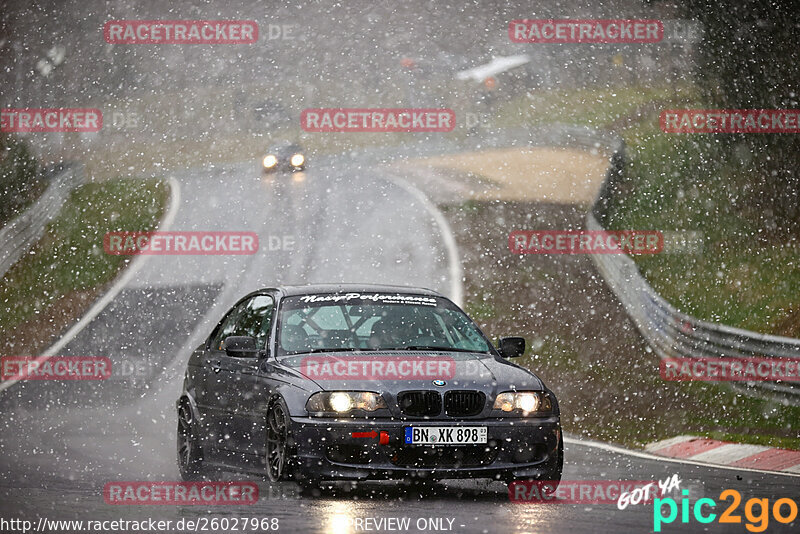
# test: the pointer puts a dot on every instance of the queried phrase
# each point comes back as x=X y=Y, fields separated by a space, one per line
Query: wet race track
x=543 y=134
x=60 y=444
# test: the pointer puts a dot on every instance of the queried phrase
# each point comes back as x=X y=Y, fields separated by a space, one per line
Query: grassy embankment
x=585 y=347
x=67 y=268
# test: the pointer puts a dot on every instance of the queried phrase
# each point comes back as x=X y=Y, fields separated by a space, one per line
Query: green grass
x=595 y=107
x=768 y=441
x=481 y=310
x=19 y=174
x=687 y=182
x=70 y=256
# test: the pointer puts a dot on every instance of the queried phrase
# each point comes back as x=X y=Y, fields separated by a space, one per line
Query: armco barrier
x=19 y=235
x=669 y=332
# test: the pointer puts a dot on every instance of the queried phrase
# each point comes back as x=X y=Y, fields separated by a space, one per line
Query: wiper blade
x=346 y=349
x=430 y=347
x=380 y=349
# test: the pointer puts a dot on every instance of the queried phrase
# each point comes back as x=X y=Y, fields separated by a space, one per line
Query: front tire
x=190 y=454
x=277 y=442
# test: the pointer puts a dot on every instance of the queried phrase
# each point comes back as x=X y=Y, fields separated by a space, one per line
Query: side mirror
x=511 y=347
x=240 y=346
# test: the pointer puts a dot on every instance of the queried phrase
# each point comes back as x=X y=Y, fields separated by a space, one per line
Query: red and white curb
x=713 y=451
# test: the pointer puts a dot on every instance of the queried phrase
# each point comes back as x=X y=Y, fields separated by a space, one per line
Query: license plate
x=445 y=435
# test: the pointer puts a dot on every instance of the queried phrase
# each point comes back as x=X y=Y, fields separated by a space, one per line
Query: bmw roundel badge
x=439 y=383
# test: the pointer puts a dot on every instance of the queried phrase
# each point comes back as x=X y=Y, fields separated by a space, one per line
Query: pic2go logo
x=757 y=522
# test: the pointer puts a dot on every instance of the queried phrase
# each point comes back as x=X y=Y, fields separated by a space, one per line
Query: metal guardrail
x=19 y=235
x=670 y=333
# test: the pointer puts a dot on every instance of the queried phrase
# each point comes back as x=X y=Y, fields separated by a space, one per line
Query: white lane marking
x=453 y=261
x=648 y=456
x=122 y=281
x=728 y=454
x=669 y=442
x=793 y=469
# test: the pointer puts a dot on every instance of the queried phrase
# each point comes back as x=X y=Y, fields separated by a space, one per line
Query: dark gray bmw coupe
x=327 y=382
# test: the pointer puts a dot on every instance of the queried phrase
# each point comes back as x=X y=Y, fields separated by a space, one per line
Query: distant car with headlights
x=286 y=157
x=327 y=382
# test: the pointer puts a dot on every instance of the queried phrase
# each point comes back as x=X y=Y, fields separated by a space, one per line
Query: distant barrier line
x=670 y=333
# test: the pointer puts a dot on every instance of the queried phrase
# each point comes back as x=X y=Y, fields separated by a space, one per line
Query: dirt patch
x=35 y=335
x=561 y=175
x=789 y=326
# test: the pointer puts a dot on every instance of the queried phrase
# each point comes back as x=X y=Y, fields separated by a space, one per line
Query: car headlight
x=297 y=160
x=525 y=402
x=270 y=161
x=342 y=402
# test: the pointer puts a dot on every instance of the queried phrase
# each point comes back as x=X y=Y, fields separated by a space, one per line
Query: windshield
x=351 y=322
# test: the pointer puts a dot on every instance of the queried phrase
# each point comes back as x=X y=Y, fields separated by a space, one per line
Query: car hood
x=459 y=370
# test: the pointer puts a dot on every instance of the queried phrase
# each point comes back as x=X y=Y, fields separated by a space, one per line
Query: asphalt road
x=59 y=444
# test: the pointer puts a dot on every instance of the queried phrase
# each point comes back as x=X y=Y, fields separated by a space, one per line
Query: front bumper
x=515 y=449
